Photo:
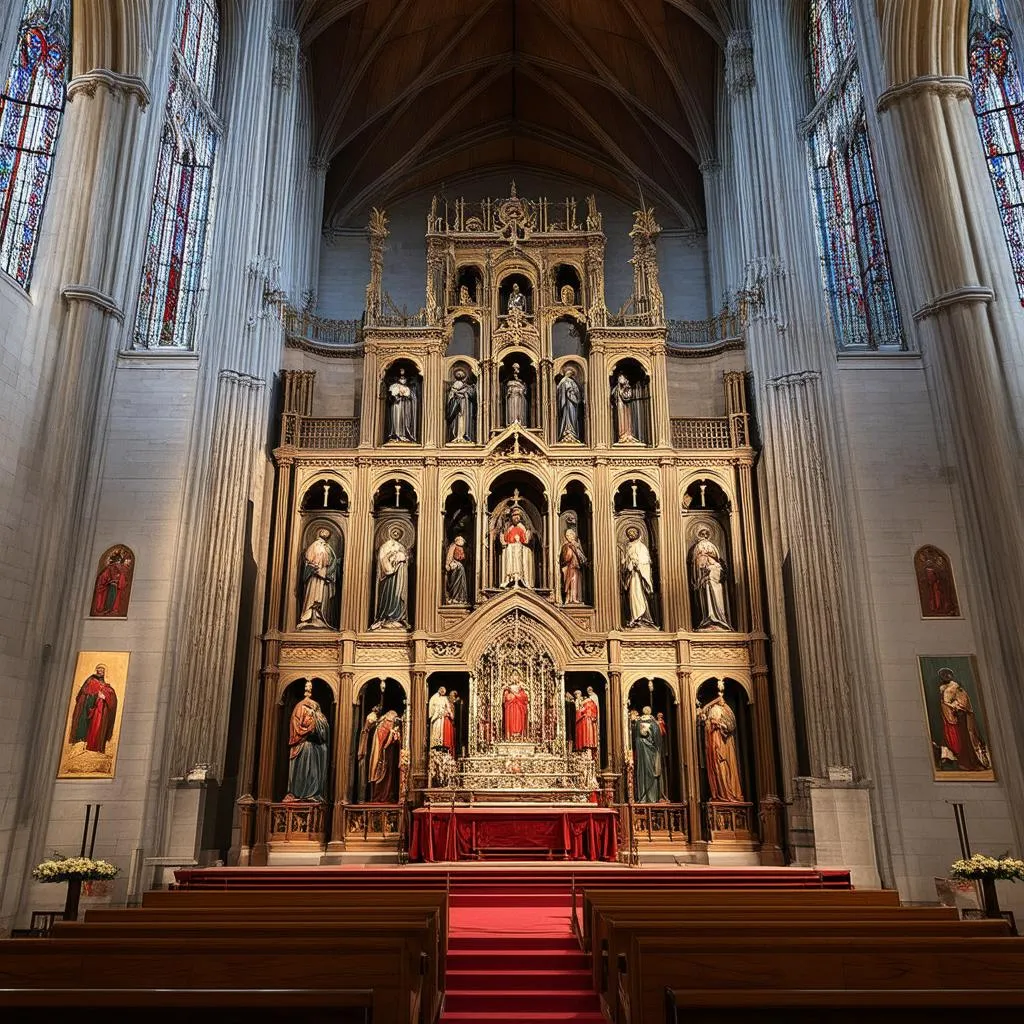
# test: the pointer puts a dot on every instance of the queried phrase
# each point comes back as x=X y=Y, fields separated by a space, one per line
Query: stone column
x=342 y=762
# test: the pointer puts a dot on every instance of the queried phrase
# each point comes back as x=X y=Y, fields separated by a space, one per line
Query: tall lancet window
x=855 y=265
x=173 y=266
x=31 y=109
x=999 y=107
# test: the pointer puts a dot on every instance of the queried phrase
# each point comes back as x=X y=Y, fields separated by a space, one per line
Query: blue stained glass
x=855 y=265
x=999 y=107
x=31 y=110
x=173 y=260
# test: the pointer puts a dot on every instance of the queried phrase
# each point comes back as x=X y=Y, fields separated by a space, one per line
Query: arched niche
x=465 y=339
x=710 y=560
x=320 y=563
x=456 y=692
x=461 y=402
x=401 y=396
x=566 y=276
x=571 y=405
x=725 y=742
x=458 y=549
x=517 y=505
x=294 y=692
x=395 y=514
x=324 y=495
x=380 y=700
x=568 y=338
x=936 y=587
x=652 y=730
x=579 y=687
x=636 y=509
x=513 y=286
x=469 y=286
x=575 y=545
x=630 y=399
x=517 y=383
x=112 y=587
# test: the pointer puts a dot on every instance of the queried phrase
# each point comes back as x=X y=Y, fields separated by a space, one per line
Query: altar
x=513 y=832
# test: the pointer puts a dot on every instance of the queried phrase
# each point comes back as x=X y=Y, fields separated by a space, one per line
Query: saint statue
x=392 y=583
x=515 y=707
x=588 y=712
x=571 y=561
x=401 y=412
x=308 y=744
x=441 y=716
x=569 y=399
x=720 y=748
x=112 y=587
x=960 y=727
x=637 y=580
x=92 y=719
x=385 y=759
x=363 y=750
x=516 y=556
x=319 y=580
x=623 y=401
x=465 y=299
x=517 y=406
x=460 y=407
x=516 y=301
x=648 y=758
x=456 y=585
x=707 y=576
x=567 y=295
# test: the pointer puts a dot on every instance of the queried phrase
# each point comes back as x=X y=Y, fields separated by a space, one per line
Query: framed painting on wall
x=956 y=720
x=92 y=730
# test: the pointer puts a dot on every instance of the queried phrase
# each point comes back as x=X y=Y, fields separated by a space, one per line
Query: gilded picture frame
x=92 y=727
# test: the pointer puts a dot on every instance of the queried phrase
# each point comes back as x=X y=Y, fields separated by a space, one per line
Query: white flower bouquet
x=979 y=867
x=66 y=869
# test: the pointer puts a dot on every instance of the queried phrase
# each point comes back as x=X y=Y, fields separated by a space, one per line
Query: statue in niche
x=460 y=408
x=516 y=301
x=588 y=713
x=516 y=554
x=720 y=756
x=385 y=759
x=707 y=579
x=308 y=744
x=113 y=587
x=567 y=294
x=517 y=406
x=319 y=581
x=441 y=716
x=515 y=709
x=571 y=561
x=569 y=399
x=935 y=585
x=624 y=402
x=392 y=583
x=363 y=750
x=648 y=758
x=402 y=409
x=637 y=580
x=465 y=299
x=456 y=584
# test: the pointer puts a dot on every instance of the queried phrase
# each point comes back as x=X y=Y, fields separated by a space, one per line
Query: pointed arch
x=555 y=631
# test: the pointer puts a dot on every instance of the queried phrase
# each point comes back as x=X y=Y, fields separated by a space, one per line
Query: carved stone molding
x=959 y=296
x=739 y=63
x=650 y=653
x=94 y=297
x=309 y=655
x=588 y=648
x=380 y=652
x=285 y=44
x=789 y=380
x=444 y=648
x=116 y=84
x=939 y=85
x=719 y=654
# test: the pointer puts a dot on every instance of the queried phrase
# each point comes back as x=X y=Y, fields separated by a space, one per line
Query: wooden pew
x=389 y=967
x=823 y=963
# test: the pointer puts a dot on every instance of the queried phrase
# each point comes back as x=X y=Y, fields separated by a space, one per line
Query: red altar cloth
x=469 y=833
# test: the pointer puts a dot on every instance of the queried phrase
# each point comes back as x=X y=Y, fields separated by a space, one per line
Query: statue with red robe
x=110 y=594
x=587 y=713
x=92 y=720
x=385 y=758
x=515 y=706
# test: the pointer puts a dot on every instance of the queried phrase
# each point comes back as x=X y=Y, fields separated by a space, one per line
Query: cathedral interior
x=510 y=410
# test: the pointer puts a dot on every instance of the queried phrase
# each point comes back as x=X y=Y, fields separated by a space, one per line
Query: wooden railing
x=702 y=433
x=724 y=327
x=323 y=433
x=661 y=823
x=300 y=326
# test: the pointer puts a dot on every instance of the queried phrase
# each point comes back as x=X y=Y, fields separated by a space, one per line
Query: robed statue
x=456 y=583
x=517 y=404
x=515 y=709
x=363 y=750
x=516 y=301
x=569 y=399
x=441 y=716
x=720 y=754
x=637 y=580
x=571 y=561
x=516 y=554
x=648 y=758
x=308 y=744
x=625 y=404
x=319 y=582
x=385 y=759
x=707 y=580
x=402 y=409
x=392 y=583
x=588 y=713
x=460 y=408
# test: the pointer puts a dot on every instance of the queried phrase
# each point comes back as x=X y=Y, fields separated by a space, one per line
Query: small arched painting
x=113 y=587
x=935 y=584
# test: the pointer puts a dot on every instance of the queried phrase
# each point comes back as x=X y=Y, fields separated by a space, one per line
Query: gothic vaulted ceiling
x=613 y=94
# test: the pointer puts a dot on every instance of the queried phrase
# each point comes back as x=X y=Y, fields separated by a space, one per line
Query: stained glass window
x=999 y=107
x=173 y=265
x=855 y=265
x=31 y=108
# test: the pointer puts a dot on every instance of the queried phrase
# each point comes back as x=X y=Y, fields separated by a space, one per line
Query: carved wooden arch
x=578 y=363
x=631 y=678
x=638 y=357
x=391 y=358
x=554 y=631
x=543 y=473
x=725 y=481
x=290 y=676
x=382 y=476
x=924 y=38
x=648 y=476
x=400 y=676
x=741 y=677
x=575 y=476
x=308 y=475
x=471 y=361
x=447 y=480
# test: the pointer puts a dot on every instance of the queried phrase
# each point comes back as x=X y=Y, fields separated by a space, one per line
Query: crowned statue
x=516 y=537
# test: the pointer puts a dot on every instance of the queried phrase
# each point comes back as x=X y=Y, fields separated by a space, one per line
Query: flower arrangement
x=67 y=869
x=979 y=867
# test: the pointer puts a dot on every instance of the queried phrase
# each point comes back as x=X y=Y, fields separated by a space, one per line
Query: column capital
x=938 y=85
x=114 y=82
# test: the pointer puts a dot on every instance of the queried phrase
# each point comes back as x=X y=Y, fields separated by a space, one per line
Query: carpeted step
x=486 y=1001
x=518 y=1017
x=498 y=961
x=551 y=944
x=510 y=900
x=524 y=979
